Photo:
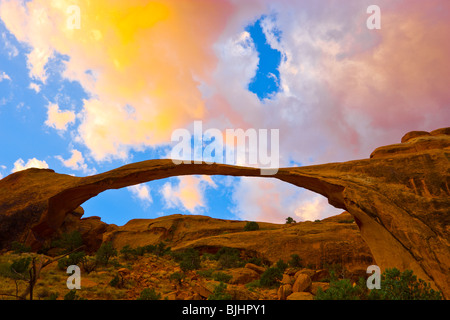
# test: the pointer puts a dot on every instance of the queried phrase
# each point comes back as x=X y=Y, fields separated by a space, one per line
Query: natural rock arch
x=400 y=199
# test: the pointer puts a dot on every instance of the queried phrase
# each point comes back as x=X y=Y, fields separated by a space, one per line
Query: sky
x=88 y=86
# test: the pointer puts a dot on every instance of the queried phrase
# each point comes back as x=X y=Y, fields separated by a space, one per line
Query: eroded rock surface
x=400 y=199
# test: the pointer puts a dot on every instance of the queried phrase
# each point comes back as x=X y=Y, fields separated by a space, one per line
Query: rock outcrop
x=400 y=199
x=333 y=240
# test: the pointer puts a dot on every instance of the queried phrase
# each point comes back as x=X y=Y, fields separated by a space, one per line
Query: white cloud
x=2 y=167
x=4 y=76
x=34 y=86
x=37 y=60
x=59 y=119
x=272 y=200
x=76 y=162
x=189 y=194
x=142 y=192
x=9 y=47
x=20 y=165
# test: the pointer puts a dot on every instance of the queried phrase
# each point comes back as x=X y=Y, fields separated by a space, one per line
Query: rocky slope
x=400 y=199
x=333 y=240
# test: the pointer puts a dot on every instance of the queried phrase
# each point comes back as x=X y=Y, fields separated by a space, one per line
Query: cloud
x=142 y=192
x=59 y=119
x=20 y=165
x=4 y=76
x=189 y=194
x=9 y=47
x=76 y=162
x=139 y=61
x=34 y=86
x=273 y=201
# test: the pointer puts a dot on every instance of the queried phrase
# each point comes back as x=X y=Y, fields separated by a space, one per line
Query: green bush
x=206 y=273
x=18 y=269
x=229 y=258
x=105 y=253
x=18 y=247
x=115 y=281
x=149 y=294
x=72 y=295
x=69 y=241
x=161 y=249
x=289 y=220
x=251 y=226
x=189 y=259
x=128 y=253
x=177 y=277
x=295 y=261
x=281 y=265
x=343 y=290
x=255 y=260
x=396 y=285
x=271 y=277
x=222 y=277
x=220 y=293
x=74 y=258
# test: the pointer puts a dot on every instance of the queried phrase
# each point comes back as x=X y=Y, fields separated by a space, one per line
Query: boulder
x=316 y=285
x=302 y=283
x=254 y=267
x=242 y=275
x=287 y=279
x=284 y=291
x=300 y=296
x=321 y=274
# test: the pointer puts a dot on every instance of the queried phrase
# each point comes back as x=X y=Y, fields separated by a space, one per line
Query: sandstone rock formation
x=317 y=243
x=400 y=199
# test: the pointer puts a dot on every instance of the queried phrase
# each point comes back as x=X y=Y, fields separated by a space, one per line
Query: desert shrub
x=271 y=277
x=255 y=260
x=72 y=295
x=189 y=259
x=177 y=277
x=346 y=221
x=251 y=286
x=396 y=285
x=69 y=241
x=229 y=258
x=115 y=281
x=161 y=249
x=222 y=277
x=105 y=253
x=52 y=296
x=295 y=261
x=206 y=273
x=220 y=293
x=88 y=264
x=317 y=220
x=18 y=247
x=290 y=220
x=343 y=290
x=149 y=294
x=251 y=226
x=74 y=258
x=129 y=253
x=281 y=265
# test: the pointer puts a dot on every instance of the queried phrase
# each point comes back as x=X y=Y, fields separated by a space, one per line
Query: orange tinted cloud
x=141 y=62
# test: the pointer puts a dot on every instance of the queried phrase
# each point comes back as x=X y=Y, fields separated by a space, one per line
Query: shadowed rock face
x=400 y=199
